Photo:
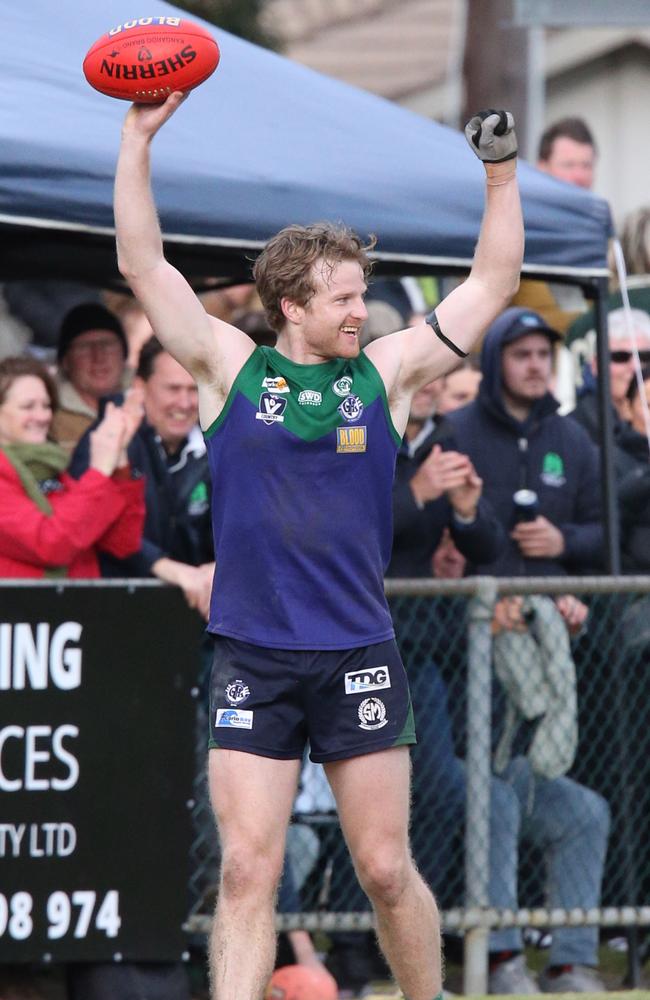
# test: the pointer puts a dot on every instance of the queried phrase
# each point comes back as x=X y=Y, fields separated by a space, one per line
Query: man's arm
x=194 y=581
x=481 y=540
x=413 y=357
x=210 y=350
x=494 y=277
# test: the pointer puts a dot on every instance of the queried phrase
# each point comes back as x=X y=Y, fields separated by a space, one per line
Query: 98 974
x=75 y=914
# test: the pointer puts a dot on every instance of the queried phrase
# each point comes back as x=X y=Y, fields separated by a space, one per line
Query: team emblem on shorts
x=372 y=713
x=231 y=718
x=237 y=692
x=271 y=409
x=278 y=384
x=343 y=385
x=351 y=408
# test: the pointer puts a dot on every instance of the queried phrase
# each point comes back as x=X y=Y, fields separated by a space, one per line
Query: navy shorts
x=345 y=702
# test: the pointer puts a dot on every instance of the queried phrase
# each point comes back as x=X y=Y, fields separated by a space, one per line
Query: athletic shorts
x=345 y=702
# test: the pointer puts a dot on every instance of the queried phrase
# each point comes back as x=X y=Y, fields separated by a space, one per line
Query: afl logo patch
x=372 y=713
x=351 y=408
x=343 y=385
x=271 y=408
x=237 y=692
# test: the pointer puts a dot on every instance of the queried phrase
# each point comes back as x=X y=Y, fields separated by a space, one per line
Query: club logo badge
x=553 y=470
x=351 y=408
x=237 y=692
x=372 y=713
x=343 y=385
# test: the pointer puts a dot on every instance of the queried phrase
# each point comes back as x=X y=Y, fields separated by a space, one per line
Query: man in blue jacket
x=517 y=441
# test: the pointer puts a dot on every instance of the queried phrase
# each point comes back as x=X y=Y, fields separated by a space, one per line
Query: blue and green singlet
x=302 y=459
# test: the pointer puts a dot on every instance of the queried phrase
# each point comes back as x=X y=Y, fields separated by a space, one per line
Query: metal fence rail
x=474 y=831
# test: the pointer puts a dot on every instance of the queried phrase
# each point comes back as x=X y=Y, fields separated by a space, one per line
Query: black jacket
x=177 y=499
x=547 y=453
x=634 y=503
x=587 y=415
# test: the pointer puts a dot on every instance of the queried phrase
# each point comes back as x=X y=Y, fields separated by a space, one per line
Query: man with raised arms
x=302 y=440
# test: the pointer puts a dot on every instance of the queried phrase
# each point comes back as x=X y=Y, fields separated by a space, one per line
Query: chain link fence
x=531 y=777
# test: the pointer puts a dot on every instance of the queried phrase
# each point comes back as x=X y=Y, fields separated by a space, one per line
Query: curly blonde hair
x=285 y=266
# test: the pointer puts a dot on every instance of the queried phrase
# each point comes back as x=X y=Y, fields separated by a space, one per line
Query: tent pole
x=606 y=419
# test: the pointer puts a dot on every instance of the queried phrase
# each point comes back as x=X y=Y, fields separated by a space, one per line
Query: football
x=299 y=982
x=145 y=59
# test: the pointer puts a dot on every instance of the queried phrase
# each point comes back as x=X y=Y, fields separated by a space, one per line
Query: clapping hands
x=112 y=436
x=451 y=473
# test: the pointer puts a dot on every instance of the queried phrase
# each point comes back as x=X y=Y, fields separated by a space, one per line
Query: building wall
x=411 y=51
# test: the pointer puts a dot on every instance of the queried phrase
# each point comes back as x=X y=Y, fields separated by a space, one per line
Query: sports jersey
x=302 y=459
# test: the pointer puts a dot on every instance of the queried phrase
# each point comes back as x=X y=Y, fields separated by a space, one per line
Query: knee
x=384 y=876
x=591 y=813
x=248 y=871
x=600 y=815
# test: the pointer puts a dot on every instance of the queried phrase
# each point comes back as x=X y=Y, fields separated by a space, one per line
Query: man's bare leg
x=252 y=798
x=372 y=794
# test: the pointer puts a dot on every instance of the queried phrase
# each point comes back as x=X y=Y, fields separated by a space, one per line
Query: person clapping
x=52 y=525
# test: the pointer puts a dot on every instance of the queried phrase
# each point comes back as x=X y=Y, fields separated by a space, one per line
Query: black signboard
x=96 y=763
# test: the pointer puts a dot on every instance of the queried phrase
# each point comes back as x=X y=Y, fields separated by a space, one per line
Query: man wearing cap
x=91 y=359
x=517 y=442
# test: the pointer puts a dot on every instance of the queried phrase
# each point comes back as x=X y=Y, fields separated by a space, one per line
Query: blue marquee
x=263 y=143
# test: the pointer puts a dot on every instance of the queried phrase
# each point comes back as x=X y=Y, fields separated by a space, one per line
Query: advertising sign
x=96 y=765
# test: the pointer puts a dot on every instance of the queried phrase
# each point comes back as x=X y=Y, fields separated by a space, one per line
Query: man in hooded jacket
x=517 y=442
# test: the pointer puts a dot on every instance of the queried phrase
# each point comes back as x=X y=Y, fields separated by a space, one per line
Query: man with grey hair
x=625 y=337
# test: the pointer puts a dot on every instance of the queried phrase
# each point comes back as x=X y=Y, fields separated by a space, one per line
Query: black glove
x=491 y=134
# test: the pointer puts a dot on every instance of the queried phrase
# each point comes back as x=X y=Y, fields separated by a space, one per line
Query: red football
x=146 y=59
x=300 y=982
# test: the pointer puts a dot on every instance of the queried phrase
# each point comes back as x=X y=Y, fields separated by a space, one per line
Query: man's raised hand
x=491 y=134
x=147 y=119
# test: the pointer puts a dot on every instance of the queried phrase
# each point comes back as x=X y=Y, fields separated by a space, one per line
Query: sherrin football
x=301 y=982
x=146 y=59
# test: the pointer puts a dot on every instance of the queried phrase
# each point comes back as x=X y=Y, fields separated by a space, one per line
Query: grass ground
x=612 y=969
x=15 y=985
x=624 y=995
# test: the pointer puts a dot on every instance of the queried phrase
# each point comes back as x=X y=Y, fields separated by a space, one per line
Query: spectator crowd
x=105 y=472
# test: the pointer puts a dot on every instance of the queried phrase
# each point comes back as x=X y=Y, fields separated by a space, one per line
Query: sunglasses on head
x=622 y=357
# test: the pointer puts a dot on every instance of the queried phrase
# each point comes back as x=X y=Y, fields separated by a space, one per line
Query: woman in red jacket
x=50 y=524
